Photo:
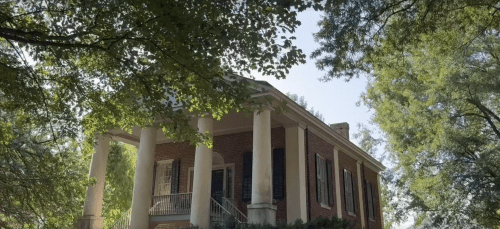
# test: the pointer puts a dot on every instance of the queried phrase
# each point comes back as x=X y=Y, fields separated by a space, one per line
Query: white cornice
x=325 y=132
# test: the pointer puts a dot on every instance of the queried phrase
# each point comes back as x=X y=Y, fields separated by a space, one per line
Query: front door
x=218 y=185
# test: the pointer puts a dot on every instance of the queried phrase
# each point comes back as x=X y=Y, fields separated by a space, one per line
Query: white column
x=337 y=183
x=143 y=184
x=202 y=181
x=379 y=203
x=261 y=210
x=296 y=207
x=360 y=194
x=92 y=206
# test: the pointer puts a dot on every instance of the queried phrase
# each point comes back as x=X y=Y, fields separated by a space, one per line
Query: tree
x=435 y=89
x=303 y=103
x=119 y=186
x=42 y=183
x=73 y=66
x=395 y=201
x=91 y=62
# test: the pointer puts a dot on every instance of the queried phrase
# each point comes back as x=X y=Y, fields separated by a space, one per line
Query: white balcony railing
x=177 y=204
x=173 y=204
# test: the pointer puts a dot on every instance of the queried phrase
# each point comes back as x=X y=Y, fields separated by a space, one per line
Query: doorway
x=222 y=179
x=218 y=185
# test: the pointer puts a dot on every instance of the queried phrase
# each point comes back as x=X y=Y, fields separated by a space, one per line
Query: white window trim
x=158 y=164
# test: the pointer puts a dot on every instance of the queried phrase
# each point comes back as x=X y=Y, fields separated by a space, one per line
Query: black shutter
x=246 y=189
x=279 y=174
x=370 y=200
x=154 y=178
x=374 y=202
x=317 y=177
x=329 y=178
x=355 y=200
x=176 y=170
x=345 y=191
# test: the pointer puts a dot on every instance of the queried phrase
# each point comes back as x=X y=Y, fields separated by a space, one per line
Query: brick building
x=272 y=167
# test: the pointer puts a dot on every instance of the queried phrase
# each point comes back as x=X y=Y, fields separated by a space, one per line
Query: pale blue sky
x=336 y=99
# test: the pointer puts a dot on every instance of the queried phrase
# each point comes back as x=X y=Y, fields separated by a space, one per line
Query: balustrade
x=173 y=204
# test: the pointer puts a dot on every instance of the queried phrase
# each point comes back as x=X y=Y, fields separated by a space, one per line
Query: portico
x=260 y=210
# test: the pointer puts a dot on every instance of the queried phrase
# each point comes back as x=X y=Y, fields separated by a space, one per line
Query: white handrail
x=124 y=221
x=218 y=213
x=242 y=218
x=173 y=204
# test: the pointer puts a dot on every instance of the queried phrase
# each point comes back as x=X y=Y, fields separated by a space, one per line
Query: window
x=324 y=181
x=350 y=192
x=163 y=184
x=370 y=192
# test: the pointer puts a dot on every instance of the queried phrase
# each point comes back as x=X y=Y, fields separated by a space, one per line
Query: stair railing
x=229 y=206
x=124 y=221
x=218 y=214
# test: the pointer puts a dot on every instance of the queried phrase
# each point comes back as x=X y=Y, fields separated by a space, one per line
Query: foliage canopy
x=73 y=66
x=107 y=64
x=435 y=87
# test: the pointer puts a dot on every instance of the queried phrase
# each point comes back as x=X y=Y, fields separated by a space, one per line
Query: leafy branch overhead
x=91 y=62
x=73 y=66
x=433 y=70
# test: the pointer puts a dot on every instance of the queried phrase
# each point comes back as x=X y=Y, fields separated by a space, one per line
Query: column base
x=262 y=214
x=90 y=222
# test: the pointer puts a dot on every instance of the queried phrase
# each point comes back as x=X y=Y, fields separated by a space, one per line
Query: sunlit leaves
x=433 y=69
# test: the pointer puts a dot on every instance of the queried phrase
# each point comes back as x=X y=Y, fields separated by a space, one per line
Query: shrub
x=318 y=223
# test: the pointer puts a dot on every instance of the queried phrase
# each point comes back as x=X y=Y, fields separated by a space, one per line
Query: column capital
x=263 y=107
x=205 y=124
x=203 y=115
x=300 y=125
x=359 y=162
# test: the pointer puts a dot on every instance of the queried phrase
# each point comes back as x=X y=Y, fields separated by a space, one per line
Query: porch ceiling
x=231 y=123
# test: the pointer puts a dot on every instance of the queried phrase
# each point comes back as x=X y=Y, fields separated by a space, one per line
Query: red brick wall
x=231 y=147
x=169 y=225
x=319 y=146
x=347 y=162
x=178 y=151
